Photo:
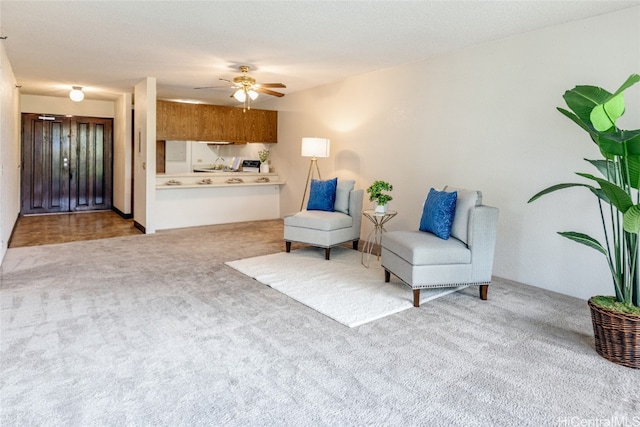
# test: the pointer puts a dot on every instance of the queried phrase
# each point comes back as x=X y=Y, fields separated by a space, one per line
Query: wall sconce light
x=76 y=94
x=314 y=148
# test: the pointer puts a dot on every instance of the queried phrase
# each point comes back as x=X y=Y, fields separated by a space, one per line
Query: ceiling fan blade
x=271 y=85
x=218 y=87
x=268 y=92
x=213 y=87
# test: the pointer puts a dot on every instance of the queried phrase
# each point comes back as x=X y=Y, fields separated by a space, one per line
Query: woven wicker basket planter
x=617 y=336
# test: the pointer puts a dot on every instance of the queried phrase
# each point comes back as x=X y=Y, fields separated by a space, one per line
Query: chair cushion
x=467 y=200
x=418 y=248
x=322 y=195
x=438 y=212
x=319 y=220
x=343 y=189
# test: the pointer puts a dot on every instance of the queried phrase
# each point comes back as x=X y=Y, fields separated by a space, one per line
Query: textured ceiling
x=109 y=46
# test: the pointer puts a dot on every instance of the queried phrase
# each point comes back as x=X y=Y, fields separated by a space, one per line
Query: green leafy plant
x=376 y=194
x=263 y=155
x=596 y=111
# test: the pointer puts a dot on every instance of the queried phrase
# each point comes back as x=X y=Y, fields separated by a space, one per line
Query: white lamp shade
x=76 y=94
x=315 y=147
x=240 y=95
x=253 y=94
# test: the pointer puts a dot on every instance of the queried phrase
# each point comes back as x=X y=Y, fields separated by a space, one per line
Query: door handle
x=65 y=164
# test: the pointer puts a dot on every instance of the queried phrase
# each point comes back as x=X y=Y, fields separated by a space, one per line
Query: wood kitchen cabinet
x=203 y=122
x=232 y=121
x=261 y=125
x=175 y=120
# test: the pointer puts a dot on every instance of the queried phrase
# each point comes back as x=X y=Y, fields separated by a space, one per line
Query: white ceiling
x=109 y=46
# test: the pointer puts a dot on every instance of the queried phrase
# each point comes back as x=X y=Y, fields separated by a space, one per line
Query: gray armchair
x=422 y=260
x=326 y=229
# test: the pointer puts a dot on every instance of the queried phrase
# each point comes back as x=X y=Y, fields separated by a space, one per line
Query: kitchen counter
x=206 y=198
x=215 y=179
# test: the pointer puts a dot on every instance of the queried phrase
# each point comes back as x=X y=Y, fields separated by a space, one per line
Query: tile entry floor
x=35 y=230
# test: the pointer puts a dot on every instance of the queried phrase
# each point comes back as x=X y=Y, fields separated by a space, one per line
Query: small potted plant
x=376 y=195
x=263 y=155
x=616 y=319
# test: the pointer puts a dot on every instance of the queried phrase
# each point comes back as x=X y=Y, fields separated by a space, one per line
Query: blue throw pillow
x=438 y=212
x=322 y=196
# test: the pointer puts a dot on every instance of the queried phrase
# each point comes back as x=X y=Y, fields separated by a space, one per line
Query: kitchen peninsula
x=193 y=199
x=192 y=139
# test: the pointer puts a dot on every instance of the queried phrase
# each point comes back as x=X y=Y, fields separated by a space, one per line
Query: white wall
x=56 y=105
x=144 y=167
x=482 y=118
x=9 y=152
x=122 y=155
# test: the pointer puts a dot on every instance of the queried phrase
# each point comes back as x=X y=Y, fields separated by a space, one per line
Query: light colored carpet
x=157 y=331
x=342 y=288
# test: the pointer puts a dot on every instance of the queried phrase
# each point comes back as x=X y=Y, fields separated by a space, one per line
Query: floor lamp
x=314 y=148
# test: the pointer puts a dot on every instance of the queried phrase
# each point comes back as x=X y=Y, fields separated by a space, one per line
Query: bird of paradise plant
x=597 y=111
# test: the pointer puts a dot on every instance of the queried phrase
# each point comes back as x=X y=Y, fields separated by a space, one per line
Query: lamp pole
x=314 y=161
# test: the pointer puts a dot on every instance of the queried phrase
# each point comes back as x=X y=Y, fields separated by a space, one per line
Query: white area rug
x=341 y=288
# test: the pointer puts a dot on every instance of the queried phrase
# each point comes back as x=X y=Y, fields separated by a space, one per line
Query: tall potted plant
x=616 y=319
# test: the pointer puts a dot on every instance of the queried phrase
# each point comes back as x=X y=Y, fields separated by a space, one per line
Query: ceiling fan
x=246 y=88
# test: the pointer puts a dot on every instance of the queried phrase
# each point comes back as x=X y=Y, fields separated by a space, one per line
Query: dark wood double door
x=67 y=164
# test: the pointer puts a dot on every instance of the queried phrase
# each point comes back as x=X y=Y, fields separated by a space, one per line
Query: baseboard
x=122 y=214
x=139 y=226
x=13 y=230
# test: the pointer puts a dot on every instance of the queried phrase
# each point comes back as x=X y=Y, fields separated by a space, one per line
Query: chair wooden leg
x=416 y=297
x=484 y=289
x=327 y=253
x=287 y=246
x=355 y=244
x=387 y=276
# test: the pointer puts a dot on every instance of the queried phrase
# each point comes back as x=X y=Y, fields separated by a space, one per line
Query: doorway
x=67 y=164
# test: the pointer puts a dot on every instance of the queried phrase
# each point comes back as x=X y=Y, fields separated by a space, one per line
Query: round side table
x=375 y=236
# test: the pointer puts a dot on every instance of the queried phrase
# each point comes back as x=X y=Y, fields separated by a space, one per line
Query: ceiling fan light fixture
x=245 y=88
x=240 y=95
x=76 y=94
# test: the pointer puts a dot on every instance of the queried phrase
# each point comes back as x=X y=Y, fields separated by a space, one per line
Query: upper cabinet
x=202 y=122
x=175 y=120
x=261 y=125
